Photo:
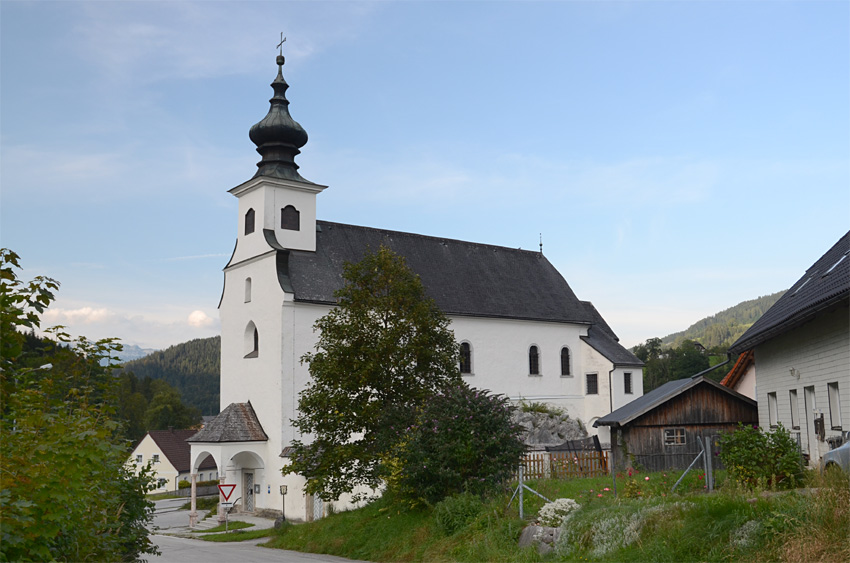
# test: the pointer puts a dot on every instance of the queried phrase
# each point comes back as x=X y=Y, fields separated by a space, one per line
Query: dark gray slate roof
x=464 y=278
x=601 y=338
x=237 y=423
x=658 y=396
x=823 y=286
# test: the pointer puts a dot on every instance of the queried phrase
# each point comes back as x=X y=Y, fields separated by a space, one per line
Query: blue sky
x=677 y=157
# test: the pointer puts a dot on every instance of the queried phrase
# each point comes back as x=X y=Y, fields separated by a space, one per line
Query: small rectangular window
x=155 y=458
x=592 y=384
x=795 y=409
x=772 y=414
x=139 y=458
x=627 y=383
x=674 y=436
x=834 y=405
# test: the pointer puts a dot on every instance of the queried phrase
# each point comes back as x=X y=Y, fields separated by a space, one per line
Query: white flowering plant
x=556 y=512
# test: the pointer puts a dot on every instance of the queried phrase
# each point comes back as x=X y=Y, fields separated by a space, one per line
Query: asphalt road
x=185 y=550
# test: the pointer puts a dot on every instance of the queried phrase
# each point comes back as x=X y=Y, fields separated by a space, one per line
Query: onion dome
x=278 y=137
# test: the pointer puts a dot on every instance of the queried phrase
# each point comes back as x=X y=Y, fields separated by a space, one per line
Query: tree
x=166 y=410
x=382 y=353
x=65 y=491
x=464 y=440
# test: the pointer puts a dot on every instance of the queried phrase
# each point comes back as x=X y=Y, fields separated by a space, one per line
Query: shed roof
x=658 y=396
x=173 y=445
x=823 y=286
x=237 y=423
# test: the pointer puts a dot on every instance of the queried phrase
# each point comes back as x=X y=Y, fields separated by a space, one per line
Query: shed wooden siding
x=702 y=411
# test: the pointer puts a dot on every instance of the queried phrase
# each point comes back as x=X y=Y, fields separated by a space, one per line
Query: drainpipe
x=611 y=390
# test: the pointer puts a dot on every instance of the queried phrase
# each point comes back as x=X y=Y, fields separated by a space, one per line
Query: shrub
x=455 y=512
x=463 y=441
x=752 y=457
x=187 y=484
x=557 y=512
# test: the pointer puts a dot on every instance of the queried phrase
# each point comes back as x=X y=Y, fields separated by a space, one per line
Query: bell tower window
x=249 y=222
x=247 y=290
x=252 y=341
x=290 y=218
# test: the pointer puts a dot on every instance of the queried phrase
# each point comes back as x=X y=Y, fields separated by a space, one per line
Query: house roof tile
x=173 y=445
x=823 y=285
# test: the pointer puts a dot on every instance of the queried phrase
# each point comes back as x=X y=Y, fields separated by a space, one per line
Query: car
x=838 y=457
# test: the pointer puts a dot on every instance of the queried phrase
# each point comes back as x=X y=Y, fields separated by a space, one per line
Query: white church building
x=523 y=332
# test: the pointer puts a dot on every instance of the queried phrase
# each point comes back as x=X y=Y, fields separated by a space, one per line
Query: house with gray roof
x=801 y=348
x=523 y=332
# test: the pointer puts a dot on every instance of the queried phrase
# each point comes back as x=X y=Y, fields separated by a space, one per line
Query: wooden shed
x=661 y=429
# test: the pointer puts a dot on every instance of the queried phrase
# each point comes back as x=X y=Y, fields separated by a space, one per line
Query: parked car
x=838 y=457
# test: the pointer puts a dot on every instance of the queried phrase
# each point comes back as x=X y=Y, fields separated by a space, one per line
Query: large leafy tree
x=65 y=491
x=382 y=353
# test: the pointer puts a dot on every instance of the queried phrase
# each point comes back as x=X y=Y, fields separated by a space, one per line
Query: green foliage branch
x=464 y=440
x=66 y=493
x=382 y=353
x=753 y=457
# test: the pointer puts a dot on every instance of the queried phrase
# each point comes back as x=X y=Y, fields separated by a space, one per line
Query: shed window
x=674 y=436
x=465 y=358
x=533 y=361
x=290 y=218
x=834 y=405
x=795 y=409
x=627 y=383
x=565 y=362
x=592 y=384
x=772 y=413
x=249 y=222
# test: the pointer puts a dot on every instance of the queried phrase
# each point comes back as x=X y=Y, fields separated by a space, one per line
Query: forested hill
x=725 y=327
x=191 y=367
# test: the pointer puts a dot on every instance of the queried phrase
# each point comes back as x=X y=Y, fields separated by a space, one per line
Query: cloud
x=83 y=315
x=199 y=319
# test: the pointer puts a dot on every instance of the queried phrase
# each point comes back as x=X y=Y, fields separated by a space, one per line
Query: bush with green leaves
x=66 y=492
x=462 y=441
x=756 y=458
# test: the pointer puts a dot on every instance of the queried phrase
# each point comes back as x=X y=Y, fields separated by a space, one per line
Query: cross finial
x=282 y=41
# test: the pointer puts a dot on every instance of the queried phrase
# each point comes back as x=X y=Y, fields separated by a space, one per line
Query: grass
x=163 y=496
x=235 y=525
x=651 y=524
x=240 y=535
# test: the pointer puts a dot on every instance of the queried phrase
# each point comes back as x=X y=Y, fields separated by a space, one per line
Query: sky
x=676 y=158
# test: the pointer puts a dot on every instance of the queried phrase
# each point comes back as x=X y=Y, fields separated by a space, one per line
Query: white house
x=802 y=355
x=522 y=330
x=168 y=453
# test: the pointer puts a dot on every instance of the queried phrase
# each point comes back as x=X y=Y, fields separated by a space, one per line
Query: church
x=522 y=331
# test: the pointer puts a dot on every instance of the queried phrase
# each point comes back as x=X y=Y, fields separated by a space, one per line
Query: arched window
x=533 y=361
x=465 y=358
x=247 y=290
x=252 y=341
x=565 y=361
x=249 y=222
x=290 y=218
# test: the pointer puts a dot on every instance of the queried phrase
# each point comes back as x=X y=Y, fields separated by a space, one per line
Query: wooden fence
x=565 y=465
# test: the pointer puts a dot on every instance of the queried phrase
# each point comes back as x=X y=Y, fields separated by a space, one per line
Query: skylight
x=840 y=260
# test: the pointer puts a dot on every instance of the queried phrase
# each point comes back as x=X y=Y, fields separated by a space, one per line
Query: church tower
x=277 y=216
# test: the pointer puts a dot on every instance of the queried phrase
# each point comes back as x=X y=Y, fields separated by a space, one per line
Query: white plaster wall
x=500 y=359
x=598 y=405
x=259 y=379
x=163 y=469
x=747 y=384
x=820 y=351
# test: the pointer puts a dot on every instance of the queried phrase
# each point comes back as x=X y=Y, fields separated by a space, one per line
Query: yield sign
x=226 y=491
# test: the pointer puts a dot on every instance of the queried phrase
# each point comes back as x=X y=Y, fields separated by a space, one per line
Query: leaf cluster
x=464 y=440
x=65 y=492
x=753 y=457
x=381 y=354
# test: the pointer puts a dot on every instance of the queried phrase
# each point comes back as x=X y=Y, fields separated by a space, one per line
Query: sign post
x=226 y=491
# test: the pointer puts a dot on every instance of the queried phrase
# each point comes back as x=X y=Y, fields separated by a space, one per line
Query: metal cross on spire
x=282 y=41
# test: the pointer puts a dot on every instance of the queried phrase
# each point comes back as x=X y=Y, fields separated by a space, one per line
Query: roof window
x=840 y=260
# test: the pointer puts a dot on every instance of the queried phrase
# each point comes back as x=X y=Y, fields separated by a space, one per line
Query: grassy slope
x=656 y=525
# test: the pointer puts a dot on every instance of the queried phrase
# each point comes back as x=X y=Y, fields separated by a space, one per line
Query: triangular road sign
x=226 y=490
